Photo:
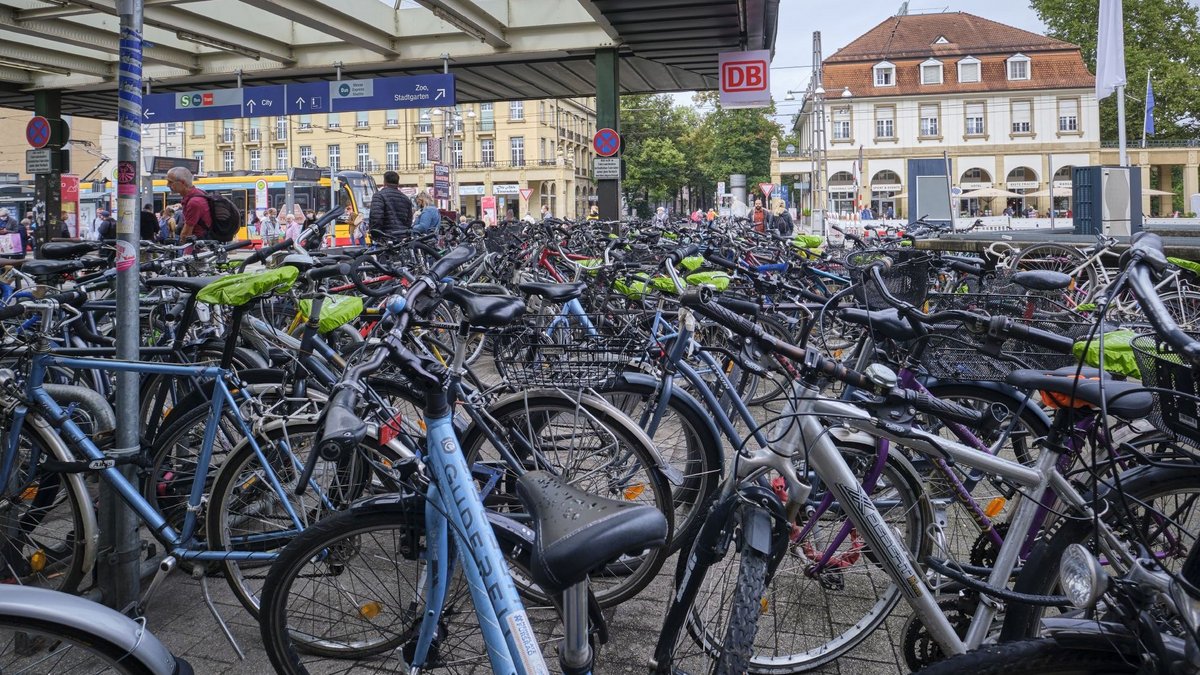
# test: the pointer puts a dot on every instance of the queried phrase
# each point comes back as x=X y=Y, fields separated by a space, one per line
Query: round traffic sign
x=37 y=132
x=606 y=142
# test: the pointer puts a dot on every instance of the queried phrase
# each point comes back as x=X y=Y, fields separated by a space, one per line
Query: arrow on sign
x=148 y=113
x=250 y=105
x=441 y=93
x=300 y=102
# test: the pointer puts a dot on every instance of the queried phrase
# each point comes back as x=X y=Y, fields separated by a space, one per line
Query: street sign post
x=40 y=160
x=420 y=91
x=766 y=189
x=606 y=142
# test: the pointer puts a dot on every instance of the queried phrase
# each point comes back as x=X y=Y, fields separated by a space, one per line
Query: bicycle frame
x=182 y=544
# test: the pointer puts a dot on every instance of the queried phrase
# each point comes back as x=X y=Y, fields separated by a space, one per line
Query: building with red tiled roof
x=1014 y=110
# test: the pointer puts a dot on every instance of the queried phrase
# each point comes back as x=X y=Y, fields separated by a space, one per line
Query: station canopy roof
x=498 y=49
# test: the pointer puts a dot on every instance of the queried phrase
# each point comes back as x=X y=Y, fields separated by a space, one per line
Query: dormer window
x=968 y=69
x=941 y=40
x=1018 y=67
x=885 y=74
x=931 y=72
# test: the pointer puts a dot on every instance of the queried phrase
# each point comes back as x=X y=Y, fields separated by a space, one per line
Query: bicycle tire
x=1144 y=483
x=44 y=640
x=793 y=641
x=619 y=462
x=50 y=509
x=1032 y=657
x=744 y=614
x=686 y=440
x=293 y=648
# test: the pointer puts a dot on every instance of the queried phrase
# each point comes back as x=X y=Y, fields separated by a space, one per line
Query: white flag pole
x=1121 y=123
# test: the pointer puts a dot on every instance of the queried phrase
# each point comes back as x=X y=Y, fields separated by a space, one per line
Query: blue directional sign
x=420 y=91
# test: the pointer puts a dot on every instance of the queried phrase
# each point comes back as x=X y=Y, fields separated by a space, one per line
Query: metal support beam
x=90 y=37
x=332 y=22
x=600 y=19
x=55 y=60
x=48 y=186
x=74 y=9
x=470 y=19
x=608 y=107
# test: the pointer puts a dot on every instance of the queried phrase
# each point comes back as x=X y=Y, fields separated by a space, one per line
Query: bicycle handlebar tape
x=1001 y=326
x=327 y=271
x=944 y=410
x=452 y=261
x=342 y=430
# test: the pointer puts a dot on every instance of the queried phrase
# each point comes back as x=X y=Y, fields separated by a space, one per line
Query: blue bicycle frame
x=182 y=544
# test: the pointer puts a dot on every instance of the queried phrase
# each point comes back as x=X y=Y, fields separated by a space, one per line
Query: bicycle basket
x=907 y=278
x=558 y=350
x=1002 y=297
x=1175 y=383
x=953 y=352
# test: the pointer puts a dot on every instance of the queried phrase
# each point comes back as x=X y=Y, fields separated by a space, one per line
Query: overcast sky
x=840 y=23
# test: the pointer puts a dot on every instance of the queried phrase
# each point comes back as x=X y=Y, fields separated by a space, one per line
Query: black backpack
x=226 y=219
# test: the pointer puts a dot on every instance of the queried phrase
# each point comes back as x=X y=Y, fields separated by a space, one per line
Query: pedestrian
x=270 y=227
x=291 y=228
x=391 y=210
x=428 y=218
x=10 y=226
x=107 y=230
x=712 y=214
x=759 y=216
x=509 y=216
x=94 y=232
x=697 y=216
x=197 y=217
x=309 y=218
x=781 y=219
x=148 y=223
x=546 y=211
x=358 y=231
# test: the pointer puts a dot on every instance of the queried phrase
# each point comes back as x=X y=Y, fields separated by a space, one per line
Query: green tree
x=657 y=168
x=740 y=141
x=1160 y=35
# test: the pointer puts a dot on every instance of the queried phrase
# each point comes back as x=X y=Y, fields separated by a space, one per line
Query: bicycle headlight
x=1080 y=577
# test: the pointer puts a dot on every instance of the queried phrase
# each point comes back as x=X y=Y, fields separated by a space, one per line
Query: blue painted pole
x=119 y=546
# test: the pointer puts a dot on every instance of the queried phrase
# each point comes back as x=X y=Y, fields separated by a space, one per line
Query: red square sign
x=207 y=99
x=745 y=79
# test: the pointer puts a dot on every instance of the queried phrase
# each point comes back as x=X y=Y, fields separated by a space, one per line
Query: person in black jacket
x=149 y=223
x=391 y=210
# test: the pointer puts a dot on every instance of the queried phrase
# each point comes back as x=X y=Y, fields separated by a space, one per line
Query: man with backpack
x=197 y=217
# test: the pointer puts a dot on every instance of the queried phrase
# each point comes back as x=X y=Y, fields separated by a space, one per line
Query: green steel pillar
x=608 y=105
x=48 y=186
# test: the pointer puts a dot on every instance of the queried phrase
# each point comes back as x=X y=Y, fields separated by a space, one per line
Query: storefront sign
x=974 y=186
x=885 y=188
x=506 y=189
x=470 y=191
x=1062 y=185
x=1022 y=184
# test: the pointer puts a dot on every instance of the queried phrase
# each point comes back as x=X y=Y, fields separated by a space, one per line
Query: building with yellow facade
x=494 y=149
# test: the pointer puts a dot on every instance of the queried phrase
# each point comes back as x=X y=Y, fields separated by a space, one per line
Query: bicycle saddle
x=1042 y=280
x=885 y=322
x=189 y=284
x=578 y=532
x=47 y=268
x=486 y=311
x=1088 y=391
x=59 y=250
x=554 y=292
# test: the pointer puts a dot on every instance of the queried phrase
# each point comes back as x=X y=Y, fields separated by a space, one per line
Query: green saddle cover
x=1118 y=354
x=337 y=310
x=236 y=290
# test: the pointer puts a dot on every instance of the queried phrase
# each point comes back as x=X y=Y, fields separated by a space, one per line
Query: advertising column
x=70 y=207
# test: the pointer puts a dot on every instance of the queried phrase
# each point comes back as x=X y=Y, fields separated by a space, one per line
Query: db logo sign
x=743 y=76
x=745 y=79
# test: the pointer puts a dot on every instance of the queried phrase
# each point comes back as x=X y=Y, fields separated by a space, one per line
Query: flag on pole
x=1110 y=49
x=1149 y=126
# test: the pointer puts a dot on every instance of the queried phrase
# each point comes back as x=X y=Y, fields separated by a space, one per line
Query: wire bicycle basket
x=1176 y=386
x=907 y=278
x=567 y=351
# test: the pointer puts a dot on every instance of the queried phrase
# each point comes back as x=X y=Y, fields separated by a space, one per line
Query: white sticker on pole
x=745 y=79
x=126 y=255
x=260 y=196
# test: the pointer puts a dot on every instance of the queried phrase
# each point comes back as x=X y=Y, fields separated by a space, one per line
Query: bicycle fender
x=1098 y=636
x=688 y=401
x=39 y=605
x=758 y=519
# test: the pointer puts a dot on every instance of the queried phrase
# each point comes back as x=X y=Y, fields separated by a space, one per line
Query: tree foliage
x=1160 y=36
x=669 y=147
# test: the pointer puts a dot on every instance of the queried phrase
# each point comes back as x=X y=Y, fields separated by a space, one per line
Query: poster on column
x=260 y=197
x=488 y=204
x=70 y=206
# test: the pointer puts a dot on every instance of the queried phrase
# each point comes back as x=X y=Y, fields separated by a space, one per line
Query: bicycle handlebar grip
x=742 y=307
x=327 y=271
x=342 y=430
x=1005 y=326
x=944 y=410
x=11 y=311
x=452 y=261
x=263 y=253
x=965 y=268
x=73 y=298
x=683 y=252
x=721 y=261
x=235 y=245
x=1147 y=247
x=730 y=320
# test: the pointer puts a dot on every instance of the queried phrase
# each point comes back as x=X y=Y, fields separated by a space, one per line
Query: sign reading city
x=606 y=142
x=37 y=131
x=745 y=79
x=419 y=91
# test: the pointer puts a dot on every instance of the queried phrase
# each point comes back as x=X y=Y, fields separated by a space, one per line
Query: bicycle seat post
x=574 y=652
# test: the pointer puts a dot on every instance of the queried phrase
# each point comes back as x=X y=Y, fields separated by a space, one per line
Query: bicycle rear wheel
x=28 y=646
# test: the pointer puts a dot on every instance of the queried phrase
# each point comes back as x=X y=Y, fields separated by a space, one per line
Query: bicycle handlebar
x=264 y=253
x=1144 y=260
